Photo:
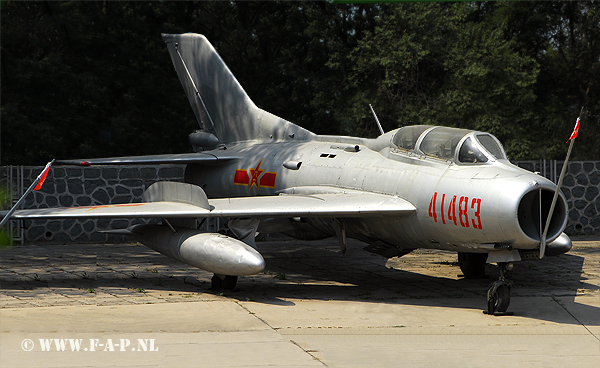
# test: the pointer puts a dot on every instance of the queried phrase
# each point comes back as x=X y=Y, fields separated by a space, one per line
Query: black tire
x=216 y=283
x=228 y=283
x=501 y=298
x=472 y=265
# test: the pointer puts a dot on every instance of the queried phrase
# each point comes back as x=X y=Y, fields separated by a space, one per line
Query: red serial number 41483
x=448 y=206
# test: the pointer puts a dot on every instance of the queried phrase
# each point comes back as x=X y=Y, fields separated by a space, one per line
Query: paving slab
x=311 y=307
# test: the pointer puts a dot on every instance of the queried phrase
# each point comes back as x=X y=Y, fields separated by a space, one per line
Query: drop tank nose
x=209 y=251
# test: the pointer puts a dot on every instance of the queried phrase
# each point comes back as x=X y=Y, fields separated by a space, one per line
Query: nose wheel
x=498 y=295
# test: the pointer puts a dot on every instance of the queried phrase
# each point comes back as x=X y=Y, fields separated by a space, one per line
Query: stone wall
x=581 y=187
x=68 y=186
x=76 y=186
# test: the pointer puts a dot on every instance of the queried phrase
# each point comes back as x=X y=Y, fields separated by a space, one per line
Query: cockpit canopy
x=451 y=144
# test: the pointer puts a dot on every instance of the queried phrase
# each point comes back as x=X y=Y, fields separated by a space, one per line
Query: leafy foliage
x=89 y=79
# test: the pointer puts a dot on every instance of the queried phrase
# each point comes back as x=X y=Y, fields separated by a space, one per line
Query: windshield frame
x=480 y=156
x=486 y=150
x=475 y=141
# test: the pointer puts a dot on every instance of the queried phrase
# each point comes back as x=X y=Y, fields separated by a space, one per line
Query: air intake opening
x=530 y=209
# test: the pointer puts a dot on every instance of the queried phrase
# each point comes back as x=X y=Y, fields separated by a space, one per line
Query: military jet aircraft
x=414 y=187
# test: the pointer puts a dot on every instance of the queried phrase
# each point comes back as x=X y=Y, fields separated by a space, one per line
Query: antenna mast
x=376 y=120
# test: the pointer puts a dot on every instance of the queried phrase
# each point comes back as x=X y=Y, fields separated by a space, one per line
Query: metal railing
x=15 y=189
x=549 y=169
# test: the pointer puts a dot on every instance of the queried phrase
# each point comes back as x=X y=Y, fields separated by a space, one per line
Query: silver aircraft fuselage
x=465 y=207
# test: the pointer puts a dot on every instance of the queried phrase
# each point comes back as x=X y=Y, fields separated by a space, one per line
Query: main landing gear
x=472 y=265
x=221 y=282
x=498 y=295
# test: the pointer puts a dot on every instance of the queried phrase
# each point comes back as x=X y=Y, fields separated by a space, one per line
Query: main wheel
x=216 y=283
x=227 y=283
x=230 y=282
x=472 y=265
x=499 y=299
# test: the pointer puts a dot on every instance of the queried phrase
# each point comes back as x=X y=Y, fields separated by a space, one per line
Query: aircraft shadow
x=296 y=270
x=316 y=270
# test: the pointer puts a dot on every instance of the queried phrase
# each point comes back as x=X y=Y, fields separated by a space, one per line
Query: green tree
x=563 y=38
x=437 y=64
x=89 y=79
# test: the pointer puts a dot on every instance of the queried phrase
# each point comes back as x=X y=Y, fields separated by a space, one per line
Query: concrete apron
x=311 y=307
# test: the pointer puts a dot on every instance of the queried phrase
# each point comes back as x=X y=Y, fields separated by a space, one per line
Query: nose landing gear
x=498 y=295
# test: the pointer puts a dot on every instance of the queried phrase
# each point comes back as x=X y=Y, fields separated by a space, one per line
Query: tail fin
x=220 y=104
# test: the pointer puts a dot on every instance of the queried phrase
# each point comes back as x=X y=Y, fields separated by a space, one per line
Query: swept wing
x=354 y=204
x=180 y=158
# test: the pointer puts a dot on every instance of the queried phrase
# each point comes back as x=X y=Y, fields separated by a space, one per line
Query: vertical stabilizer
x=220 y=104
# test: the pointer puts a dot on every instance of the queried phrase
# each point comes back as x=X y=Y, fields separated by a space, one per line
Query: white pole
x=377 y=120
x=558 y=185
x=29 y=190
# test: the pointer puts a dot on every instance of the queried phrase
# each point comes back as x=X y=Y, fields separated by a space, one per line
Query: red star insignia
x=255 y=174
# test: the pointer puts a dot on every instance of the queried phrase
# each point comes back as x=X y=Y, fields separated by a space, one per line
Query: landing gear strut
x=498 y=295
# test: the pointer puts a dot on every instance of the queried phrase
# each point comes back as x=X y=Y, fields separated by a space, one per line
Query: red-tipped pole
x=36 y=185
x=558 y=185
